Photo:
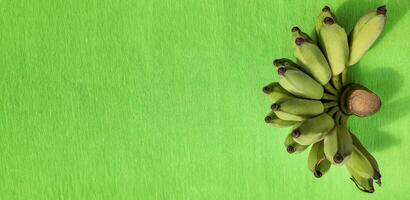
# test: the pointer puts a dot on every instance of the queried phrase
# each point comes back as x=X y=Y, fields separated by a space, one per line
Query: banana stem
x=343 y=119
x=333 y=111
x=329 y=97
x=336 y=82
x=331 y=104
x=328 y=87
x=345 y=80
x=337 y=117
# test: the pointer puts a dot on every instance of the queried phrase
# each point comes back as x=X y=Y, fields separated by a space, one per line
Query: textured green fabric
x=140 y=99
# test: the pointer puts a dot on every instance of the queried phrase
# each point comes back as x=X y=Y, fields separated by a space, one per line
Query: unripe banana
x=276 y=93
x=334 y=40
x=376 y=171
x=365 y=33
x=299 y=84
x=362 y=165
x=273 y=120
x=362 y=183
x=313 y=130
x=296 y=109
x=338 y=145
x=311 y=57
x=326 y=12
x=317 y=162
x=293 y=147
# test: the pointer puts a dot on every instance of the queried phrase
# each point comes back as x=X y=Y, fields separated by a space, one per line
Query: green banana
x=276 y=93
x=317 y=162
x=334 y=40
x=338 y=145
x=319 y=21
x=292 y=146
x=296 y=109
x=309 y=55
x=363 y=165
x=273 y=120
x=365 y=33
x=376 y=171
x=362 y=183
x=313 y=130
x=299 y=84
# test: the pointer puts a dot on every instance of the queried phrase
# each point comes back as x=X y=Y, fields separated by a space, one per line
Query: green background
x=138 y=99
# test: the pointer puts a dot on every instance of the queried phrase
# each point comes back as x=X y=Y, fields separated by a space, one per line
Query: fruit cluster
x=315 y=98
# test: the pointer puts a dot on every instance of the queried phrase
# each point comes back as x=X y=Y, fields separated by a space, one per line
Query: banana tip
x=267 y=90
x=281 y=71
x=377 y=175
x=299 y=41
x=276 y=62
x=382 y=10
x=317 y=174
x=328 y=20
x=268 y=119
x=326 y=9
x=338 y=158
x=290 y=149
x=295 y=29
x=295 y=133
x=274 y=107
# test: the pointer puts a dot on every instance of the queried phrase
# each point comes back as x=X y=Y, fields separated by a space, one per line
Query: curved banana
x=365 y=33
x=333 y=39
x=296 y=109
x=309 y=55
x=273 y=120
x=317 y=162
x=299 y=84
x=313 y=130
x=338 y=145
x=293 y=147
x=276 y=93
x=362 y=183
x=363 y=165
x=375 y=174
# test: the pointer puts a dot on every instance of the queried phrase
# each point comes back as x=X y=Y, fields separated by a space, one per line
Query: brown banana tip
x=299 y=41
x=317 y=174
x=377 y=175
x=382 y=10
x=338 y=158
x=281 y=71
x=268 y=119
x=276 y=62
x=295 y=29
x=326 y=9
x=274 y=107
x=328 y=20
x=296 y=133
x=290 y=149
x=267 y=90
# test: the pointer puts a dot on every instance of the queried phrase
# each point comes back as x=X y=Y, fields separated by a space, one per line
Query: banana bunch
x=315 y=98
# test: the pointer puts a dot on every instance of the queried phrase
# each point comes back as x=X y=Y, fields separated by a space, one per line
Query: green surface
x=162 y=100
